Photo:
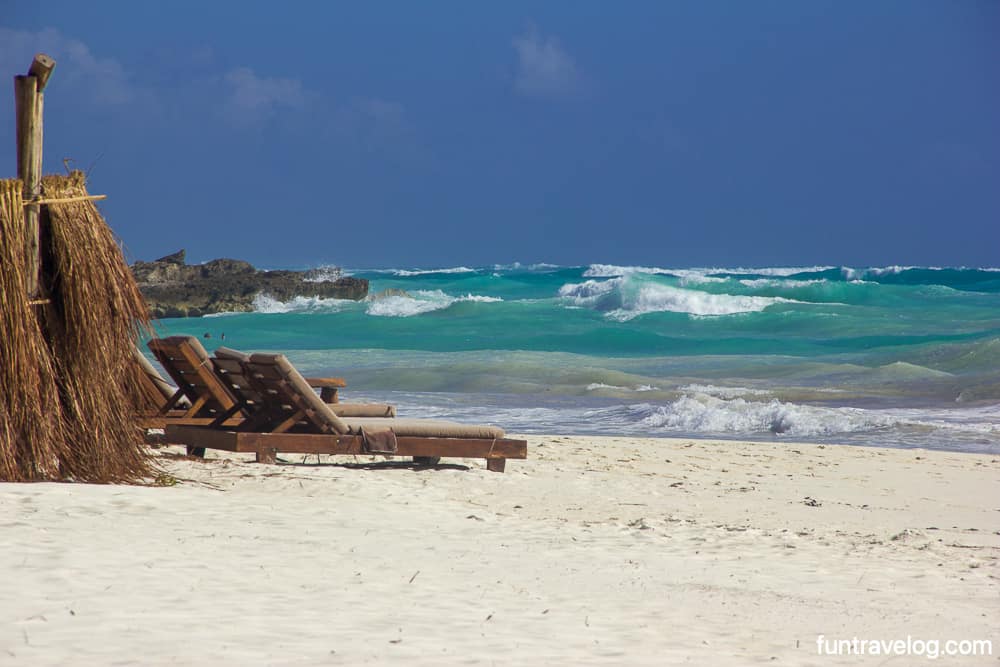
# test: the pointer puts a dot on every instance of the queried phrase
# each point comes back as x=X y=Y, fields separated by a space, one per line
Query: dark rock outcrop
x=173 y=288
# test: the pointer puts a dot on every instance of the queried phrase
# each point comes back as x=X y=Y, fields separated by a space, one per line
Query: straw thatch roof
x=68 y=377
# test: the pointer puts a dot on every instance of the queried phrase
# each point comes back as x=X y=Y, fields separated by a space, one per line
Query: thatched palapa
x=68 y=378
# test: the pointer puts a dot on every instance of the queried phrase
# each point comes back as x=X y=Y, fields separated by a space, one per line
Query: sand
x=594 y=551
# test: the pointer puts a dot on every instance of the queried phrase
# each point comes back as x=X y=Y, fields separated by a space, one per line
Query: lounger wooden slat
x=161 y=421
x=188 y=364
x=267 y=445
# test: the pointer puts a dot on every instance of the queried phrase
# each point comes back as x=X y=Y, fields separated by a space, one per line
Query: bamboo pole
x=65 y=200
x=29 y=103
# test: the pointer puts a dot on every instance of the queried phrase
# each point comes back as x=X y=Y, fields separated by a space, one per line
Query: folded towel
x=379 y=442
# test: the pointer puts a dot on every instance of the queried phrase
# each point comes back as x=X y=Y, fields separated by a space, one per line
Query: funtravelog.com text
x=931 y=649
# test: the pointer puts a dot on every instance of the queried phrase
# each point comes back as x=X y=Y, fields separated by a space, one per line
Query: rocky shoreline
x=173 y=288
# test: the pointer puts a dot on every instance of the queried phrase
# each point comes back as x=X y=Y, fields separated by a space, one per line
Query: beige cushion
x=362 y=409
x=162 y=385
x=229 y=353
x=425 y=428
x=195 y=344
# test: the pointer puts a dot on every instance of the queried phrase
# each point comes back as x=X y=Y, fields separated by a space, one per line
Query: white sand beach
x=593 y=551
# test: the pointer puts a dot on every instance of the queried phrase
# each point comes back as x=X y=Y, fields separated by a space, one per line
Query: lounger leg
x=196 y=451
x=426 y=460
x=496 y=465
x=267 y=455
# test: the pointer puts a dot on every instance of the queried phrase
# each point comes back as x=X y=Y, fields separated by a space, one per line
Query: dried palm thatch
x=32 y=435
x=68 y=384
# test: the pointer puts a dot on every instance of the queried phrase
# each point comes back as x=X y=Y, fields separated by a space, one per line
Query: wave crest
x=323 y=274
x=420 y=302
x=426 y=272
x=627 y=297
x=701 y=413
x=265 y=303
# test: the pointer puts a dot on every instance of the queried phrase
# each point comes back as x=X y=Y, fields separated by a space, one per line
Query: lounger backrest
x=157 y=389
x=276 y=378
x=152 y=392
x=188 y=364
x=229 y=367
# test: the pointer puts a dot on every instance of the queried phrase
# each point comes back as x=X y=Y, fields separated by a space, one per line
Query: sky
x=433 y=134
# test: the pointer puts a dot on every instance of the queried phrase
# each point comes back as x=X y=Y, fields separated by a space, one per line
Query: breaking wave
x=614 y=270
x=598 y=386
x=419 y=302
x=713 y=414
x=625 y=298
x=264 y=303
x=323 y=273
x=427 y=272
x=702 y=413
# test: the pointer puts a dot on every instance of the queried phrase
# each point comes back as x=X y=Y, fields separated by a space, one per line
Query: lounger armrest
x=327 y=388
x=320 y=383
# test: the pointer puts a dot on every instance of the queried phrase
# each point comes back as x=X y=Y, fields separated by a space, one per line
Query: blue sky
x=445 y=133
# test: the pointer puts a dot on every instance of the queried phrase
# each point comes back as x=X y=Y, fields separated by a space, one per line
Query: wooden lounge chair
x=230 y=367
x=160 y=401
x=210 y=390
x=153 y=389
x=204 y=397
x=289 y=417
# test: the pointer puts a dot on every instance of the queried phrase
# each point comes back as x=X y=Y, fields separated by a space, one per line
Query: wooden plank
x=304 y=443
x=200 y=436
x=473 y=448
x=319 y=383
x=496 y=465
x=310 y=443
x=207 y=377
x=267 y=372
x=290 y=422
x=65 y=200
x=29 y=103
x=41 y=68
x=164 y=420
x=197 y=405
x=194 y=375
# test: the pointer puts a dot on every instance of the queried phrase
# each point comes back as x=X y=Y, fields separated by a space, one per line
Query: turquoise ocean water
x=895 y=356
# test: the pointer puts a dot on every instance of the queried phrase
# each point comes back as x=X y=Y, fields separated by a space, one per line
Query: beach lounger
x=210 y=390
x=287 y=416
x=154 y=390
x=230 y=367
x=197 y=385
x=161 y=402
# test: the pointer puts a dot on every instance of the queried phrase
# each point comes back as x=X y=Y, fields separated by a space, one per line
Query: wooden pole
x=29 y=103
x=41 y=68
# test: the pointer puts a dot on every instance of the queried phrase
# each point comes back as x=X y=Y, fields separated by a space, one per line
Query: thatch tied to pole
x=69 y=395
x=32 y=432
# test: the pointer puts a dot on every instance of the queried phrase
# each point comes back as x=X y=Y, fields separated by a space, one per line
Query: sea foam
x=427 y=272
x=624 y=298
x=614 y=270
x=265 y=303
x=707 y=414
x=419 y=302
x=598 y=386
x=323 y=274
x=702 y=413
